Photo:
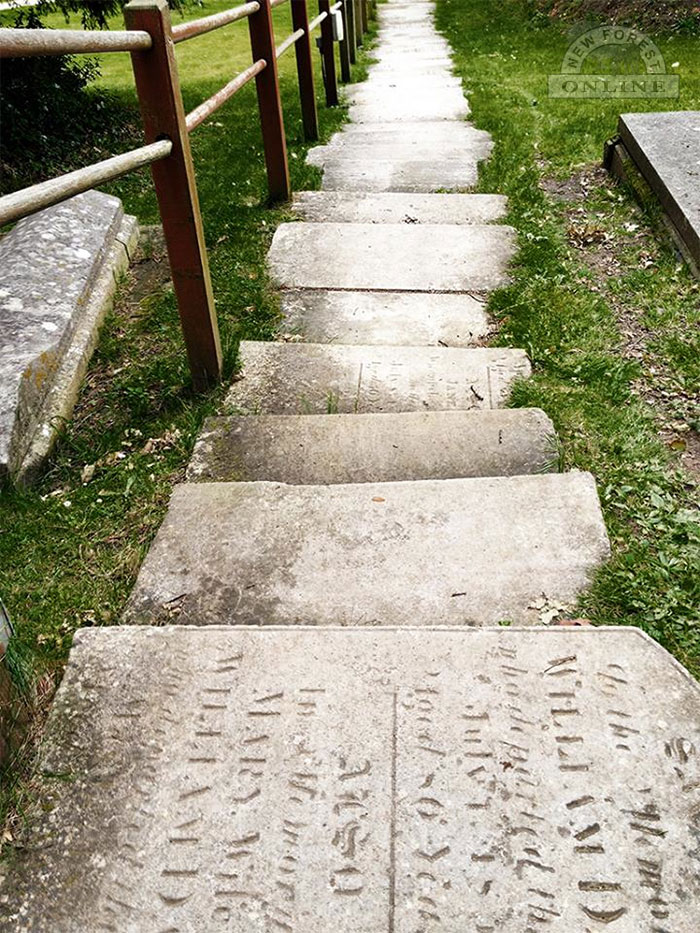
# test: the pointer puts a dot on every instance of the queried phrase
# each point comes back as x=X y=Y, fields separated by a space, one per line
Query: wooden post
x=344 y=46
x=305 y=70
x=358 y=23
x=352 y=39
x=365 y=15
x=158 y=86
x=262 y=43
x=328 y=54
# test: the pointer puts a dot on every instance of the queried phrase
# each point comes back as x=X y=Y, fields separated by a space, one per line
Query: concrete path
x=319 y=719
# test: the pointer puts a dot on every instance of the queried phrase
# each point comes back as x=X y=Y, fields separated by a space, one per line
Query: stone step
x=468 y=146
x=392 y=769
x=439 y=133
x=399 y=208
x=379 y=175
x=383 y=80
x=438 y=552
x=318 y=449
x=393 y=257
x=385 y=318
x=318 y=379
x=392 y=107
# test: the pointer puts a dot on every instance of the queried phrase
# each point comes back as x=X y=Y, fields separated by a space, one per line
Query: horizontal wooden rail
x=274 y=3
x=289 y=42
x=315 y=23
x=198 y=27
x=21 y=203
x=23 y=43
x=200 y=114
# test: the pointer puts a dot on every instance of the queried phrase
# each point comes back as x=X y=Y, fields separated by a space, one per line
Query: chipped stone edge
x=58 y=404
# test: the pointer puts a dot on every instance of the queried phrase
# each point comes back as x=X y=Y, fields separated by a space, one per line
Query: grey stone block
x=398 y=208
x=58 y=278
x=666 y=150
x=465 y=145
x=444 y=552
x=385 y=318
x=397 y=257
x=265 y=779
x=316 y=379
x=396 y=174
x=320 y=449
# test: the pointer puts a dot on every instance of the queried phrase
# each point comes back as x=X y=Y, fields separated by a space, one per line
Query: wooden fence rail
x=150 y=38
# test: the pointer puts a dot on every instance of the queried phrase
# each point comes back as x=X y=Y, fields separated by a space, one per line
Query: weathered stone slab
x=386 y=318
x=396 y=107
x=58 y=269
x=317 y=379
x=666 y=149
x=442 y=94
x=318 y=449
x=408 y=82
x=468 y=146
x=501 y=780
x=397 y=208
x=395 y=257
x=452 y=552
x=379 y=175
x=441 y=131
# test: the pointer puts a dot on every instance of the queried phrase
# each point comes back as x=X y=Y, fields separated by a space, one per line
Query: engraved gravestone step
x=393 y=257
x=394 y=318
x=396 y=208
x=363 y=782
x=452 y=551
x=318 y=379
x=316 y=449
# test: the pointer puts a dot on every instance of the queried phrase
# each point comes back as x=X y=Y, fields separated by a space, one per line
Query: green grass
x=571 y=317
x=70 y=550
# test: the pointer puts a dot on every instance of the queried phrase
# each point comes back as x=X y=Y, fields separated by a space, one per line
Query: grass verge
x=602 y=303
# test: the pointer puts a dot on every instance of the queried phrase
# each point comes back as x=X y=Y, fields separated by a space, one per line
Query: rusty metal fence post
x=262 y=41
x=158 y=86
x=344 y=45
x=328 y=54
x=305 y=70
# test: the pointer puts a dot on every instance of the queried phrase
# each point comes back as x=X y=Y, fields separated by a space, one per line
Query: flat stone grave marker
x=366 y=782
x=397 y=257
x=666 y=149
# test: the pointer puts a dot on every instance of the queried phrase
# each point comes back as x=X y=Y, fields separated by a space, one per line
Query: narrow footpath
x=334 y=708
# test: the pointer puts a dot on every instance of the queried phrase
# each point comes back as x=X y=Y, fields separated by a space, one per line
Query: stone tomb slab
x=386 y=318
x=318 y=449
x=318 y=379
x=365 y=782
x=452 y=551
x=377 y=174
x=666 y=149
x=398 y=208
x=391 y=257
x=58 y=270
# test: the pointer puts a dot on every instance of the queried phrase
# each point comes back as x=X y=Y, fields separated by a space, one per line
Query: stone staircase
x=314 y=721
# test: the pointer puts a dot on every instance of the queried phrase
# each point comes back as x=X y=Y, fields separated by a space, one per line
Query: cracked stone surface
x=369 y=780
